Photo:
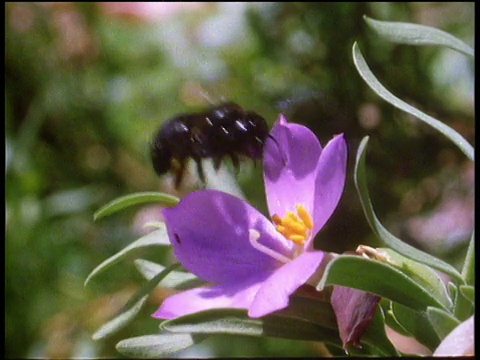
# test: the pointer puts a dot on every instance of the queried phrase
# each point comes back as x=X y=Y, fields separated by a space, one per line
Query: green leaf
x=464 y=306
x=468 y=271
x=381 y=91
x=468 y=292
x=442 y=322
x=155 y=238
x=154 y=224
x=417 y=324
x=133 y=306
x=216 y=321
x=378 y=278
x=176 y=279
x=381 y=232
x=119 y=321
x=414 y=34
x=135 y=199
x=237 y=322
x=452 y=291
x=155 y=346
x=421 y=274
x=390 y=319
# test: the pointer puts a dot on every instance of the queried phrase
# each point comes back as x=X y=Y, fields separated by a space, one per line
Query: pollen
x=294 y=226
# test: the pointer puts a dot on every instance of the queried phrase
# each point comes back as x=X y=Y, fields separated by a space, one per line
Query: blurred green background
x=87 y=84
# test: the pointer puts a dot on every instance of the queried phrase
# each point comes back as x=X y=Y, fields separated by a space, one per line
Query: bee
x=225 y=130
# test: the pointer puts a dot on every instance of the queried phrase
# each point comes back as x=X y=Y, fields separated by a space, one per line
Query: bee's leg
x=178 y=167
x=217 y=161
x=235 y=161
x=201 y=173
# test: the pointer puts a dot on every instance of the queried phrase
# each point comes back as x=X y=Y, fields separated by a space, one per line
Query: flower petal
x=209 y=231
x=275 y=292
x=354 y=310
x=290 y=158
x=460 y=342
x=330 y=180
x=238 y=295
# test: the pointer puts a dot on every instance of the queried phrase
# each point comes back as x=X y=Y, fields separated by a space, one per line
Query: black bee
x=223 y=130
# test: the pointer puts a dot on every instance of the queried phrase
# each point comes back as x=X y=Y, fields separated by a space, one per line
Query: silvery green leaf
x=237 y=322
x=417 y=324
x=155 y=346
x=443 y=322
x=422 y=274
x=134 y=199
x=133 y=306
x=381 y=232
x=468 y=270
x=119 y=321
x=468 y=292
x=176 y=279
x=381 y=91
x=155 y=238
x=465 y=302
x=378 y=278
x=414 y=34
x=215 y=321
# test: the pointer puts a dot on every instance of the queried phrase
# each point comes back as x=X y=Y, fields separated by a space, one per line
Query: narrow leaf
x=154 y=224
x=381 y=91
x=377 y=278
x=217 y=321
x=175 y=280
x=155 y=346
x=468 y=292
x=417 y=324
x=133 y=306
x=390 y=319
x=237 y=322
x=119 y=321
x=135 y=199
x=381 y=232
x=155 y=238
x=468 y=271
x=423 y=275
x=414 y=34
x=464 y=307
x=442 y=322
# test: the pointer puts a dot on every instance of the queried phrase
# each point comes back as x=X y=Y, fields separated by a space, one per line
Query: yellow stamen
x=277 y=219
x=294 y=227
x=305 y=216
x=297 y=239
x=291 y=215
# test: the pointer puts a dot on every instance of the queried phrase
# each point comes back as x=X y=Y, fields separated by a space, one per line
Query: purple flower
x=354 y=310
x=254 y=262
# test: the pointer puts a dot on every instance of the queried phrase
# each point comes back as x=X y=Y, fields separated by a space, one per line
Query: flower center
x=295 y=227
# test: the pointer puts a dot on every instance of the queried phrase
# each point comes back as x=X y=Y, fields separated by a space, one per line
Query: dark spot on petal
x=177 y=238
